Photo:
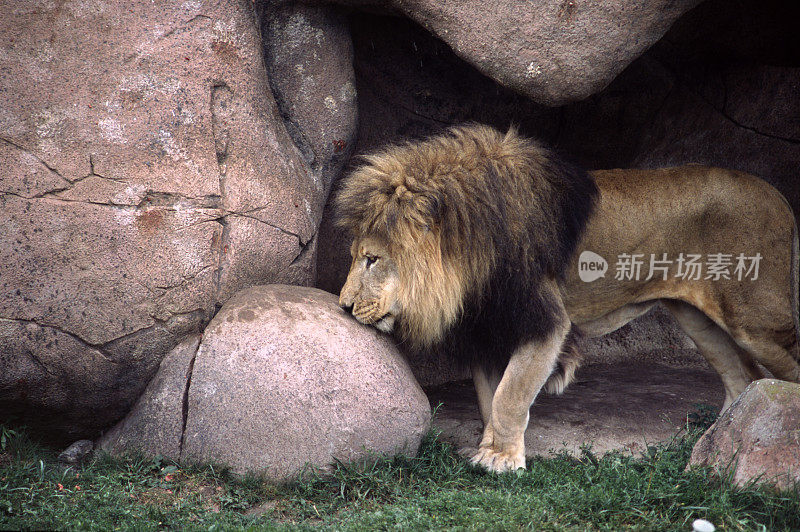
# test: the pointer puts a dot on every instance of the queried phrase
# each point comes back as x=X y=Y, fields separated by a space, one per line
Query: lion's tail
x=568 y=361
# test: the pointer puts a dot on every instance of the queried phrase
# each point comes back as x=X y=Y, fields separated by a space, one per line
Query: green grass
x=437 y=489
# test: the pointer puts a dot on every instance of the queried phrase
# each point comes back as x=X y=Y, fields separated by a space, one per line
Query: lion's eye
x=370 y=260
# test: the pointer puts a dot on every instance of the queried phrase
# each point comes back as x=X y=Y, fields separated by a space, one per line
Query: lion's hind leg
x=735 y=366
x=503 y=445
x=772 y=334
x=776 y=349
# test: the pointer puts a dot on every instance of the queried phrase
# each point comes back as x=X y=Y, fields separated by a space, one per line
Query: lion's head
x=458 y=228
x=409 y=274
x=408 y=290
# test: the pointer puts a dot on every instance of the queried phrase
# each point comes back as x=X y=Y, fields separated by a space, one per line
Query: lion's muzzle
x=367 y=311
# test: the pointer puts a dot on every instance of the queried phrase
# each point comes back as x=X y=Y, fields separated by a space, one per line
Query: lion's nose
x=347 y=297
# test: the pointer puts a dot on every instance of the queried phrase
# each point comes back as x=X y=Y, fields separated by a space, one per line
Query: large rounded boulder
x=553 y=51
x=282 y=378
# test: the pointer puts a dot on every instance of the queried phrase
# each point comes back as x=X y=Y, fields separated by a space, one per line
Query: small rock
x=758 y=436
x=76 y=452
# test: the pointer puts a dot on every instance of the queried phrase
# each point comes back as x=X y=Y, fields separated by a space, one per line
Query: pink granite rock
x=146 y=176
x=553 y=51
x=758 y=436
x=285 y=378
x=282 y=378
x=155 y=423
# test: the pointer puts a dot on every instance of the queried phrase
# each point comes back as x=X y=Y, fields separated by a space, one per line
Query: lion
x=490 y=248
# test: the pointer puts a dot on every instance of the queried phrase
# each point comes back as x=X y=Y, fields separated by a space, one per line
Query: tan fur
x=700 y=210
x=422 y=278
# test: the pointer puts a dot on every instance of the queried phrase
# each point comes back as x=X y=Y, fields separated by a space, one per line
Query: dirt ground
x=623 y=406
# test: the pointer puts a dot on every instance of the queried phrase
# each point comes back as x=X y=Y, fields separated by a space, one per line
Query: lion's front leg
x=502 y=447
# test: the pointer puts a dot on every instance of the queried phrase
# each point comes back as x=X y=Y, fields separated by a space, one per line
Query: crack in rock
x=103 y=349
x=305 y=250
x=42 y=161
x=164 y=200
x=682 y=80
x=183 y=26
x=269 y=224
x=185 y=402
x=170 y=199
x=92 y=173
x=163 y=323
x=39 y=362
x=221 y=95
x=96 y=347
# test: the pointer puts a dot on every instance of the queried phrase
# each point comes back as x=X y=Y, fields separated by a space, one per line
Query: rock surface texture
x=309 y=57
x=281 y=378
x=146 y=176
x=757 y=437
x=553 y=51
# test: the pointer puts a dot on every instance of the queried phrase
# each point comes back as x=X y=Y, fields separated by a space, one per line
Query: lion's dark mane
x=510 y=310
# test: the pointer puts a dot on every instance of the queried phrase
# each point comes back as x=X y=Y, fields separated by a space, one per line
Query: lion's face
x=371 y=289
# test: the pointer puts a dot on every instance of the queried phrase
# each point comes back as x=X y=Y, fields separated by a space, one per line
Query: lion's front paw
x=499 y=461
